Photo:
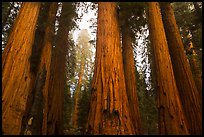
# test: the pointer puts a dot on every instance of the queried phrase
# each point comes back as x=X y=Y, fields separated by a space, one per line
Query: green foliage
x=69 y=14
x=9 y=14
x=132 y=15
x=188 y=22
x=84 y=105
x=70 y=70
x=67 y=107
x=5 y=10
x=147 y=106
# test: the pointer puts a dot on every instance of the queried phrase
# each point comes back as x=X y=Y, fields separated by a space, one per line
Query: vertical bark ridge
x=190 y=98
x=130 y=79
x=171 y=116
x=16 y=76
x=109 y=112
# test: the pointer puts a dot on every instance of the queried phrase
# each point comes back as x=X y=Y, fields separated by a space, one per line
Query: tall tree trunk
x=37 y=47
x=39 y=38
x=16 y=75
x=45 y=60
x=191 y=100
x=130 y=79
x=77 y=93
x=35 y=116
x=37 y=113
x=109 y=108
x=57 y=80
x=55 y=95
x=171 y=115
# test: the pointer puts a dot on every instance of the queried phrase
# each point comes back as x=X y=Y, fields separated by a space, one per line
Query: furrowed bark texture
x=171 y=115
x=109 y=108
x=16 y=76
x=46 y=59
x=37 y=47
x=35 y=117
x=191 y=100
x=130 y=79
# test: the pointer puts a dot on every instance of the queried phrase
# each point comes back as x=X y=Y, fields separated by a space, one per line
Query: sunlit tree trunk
x=38 y=81
x=171 y=116
x=109 y=108
x=16 y=75
x=130 y=79
x=191 y=100
x=45 y=62
x=77 y=93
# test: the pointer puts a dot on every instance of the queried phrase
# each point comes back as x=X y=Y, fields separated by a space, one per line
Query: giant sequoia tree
x=171 y=115
x=130 y=77
x=39 y=108
x=16 y=75
x=57 y=78
x=82 y=56
x=191 y=99
x=109 y=109
x=41 y=63
x=128 y=19
x=190 y=27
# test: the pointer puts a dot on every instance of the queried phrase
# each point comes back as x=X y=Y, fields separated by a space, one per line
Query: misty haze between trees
x=135 y=71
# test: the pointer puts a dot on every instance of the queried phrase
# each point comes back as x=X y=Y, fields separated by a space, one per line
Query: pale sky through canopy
x=85 y=24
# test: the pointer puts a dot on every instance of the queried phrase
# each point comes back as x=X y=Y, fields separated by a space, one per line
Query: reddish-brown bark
x=57 y=78
x=45 y=60
x=109 y=108
x=16 y=75
x=172 y=120
x=130 y=79
x=191 y=99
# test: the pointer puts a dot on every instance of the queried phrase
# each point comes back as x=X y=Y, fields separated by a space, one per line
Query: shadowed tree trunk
x=37 y=47
x=57 y=79
x=38 y=112
x=109 y=108
x=16 y=75
x=130 y=79
x=191 y=100
x=46 y=58
x=35 y=118
x=171 y=116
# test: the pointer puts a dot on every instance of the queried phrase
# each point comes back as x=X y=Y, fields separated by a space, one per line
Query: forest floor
x=72 y=131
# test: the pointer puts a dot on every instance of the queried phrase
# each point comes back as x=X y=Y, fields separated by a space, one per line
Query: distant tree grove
x=55 y=85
